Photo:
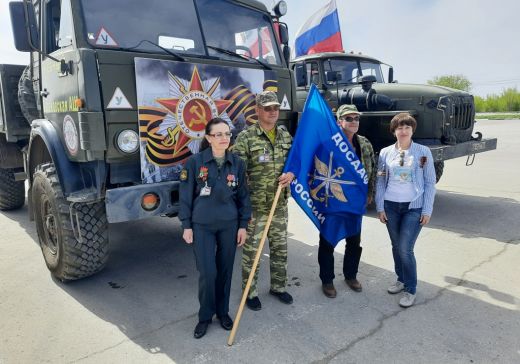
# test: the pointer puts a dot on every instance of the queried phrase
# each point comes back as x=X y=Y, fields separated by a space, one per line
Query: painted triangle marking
x=105 y=39
x=119 y=101
x=285 y=103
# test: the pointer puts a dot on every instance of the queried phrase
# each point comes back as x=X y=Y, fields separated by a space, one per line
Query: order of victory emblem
x=194 y=106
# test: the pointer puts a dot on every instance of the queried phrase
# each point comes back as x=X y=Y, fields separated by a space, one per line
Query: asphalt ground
x=142 y=307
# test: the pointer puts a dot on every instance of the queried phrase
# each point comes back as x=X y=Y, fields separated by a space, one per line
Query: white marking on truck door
x=119 y=101
x=285 y=103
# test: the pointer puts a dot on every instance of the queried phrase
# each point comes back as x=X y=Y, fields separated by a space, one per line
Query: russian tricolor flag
x=320 y=33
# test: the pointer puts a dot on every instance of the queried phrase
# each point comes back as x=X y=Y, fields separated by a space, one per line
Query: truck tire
x=12 y=193
x=26 y=96
x=439 y=168
x=67 y=257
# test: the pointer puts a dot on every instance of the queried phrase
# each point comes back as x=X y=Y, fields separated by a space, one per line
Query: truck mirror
x=331 y=76
x=287 y=53
x=284 y=33
x=25 y=33
x=299 y=74
x=391 y=75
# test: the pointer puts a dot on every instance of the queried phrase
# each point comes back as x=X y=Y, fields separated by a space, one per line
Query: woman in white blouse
x=405 y=191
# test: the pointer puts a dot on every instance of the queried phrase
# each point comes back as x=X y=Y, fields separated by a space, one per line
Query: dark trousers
x=350 y=260
x=214 y=247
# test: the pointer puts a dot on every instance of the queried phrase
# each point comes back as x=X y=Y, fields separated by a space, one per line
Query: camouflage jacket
x=252 y=145
x=369 y=162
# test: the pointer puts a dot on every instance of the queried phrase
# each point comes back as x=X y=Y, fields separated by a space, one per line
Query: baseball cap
x=347 y=109
x=267 y=98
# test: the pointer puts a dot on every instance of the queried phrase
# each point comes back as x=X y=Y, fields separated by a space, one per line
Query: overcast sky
x=420 y=38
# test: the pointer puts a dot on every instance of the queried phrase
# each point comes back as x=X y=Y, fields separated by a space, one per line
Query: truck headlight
x=444 y=103
x=128 y=141
x=280 y=9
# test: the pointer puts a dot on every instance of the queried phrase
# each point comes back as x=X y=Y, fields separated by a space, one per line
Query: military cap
x=347 y=109
x=266 y=98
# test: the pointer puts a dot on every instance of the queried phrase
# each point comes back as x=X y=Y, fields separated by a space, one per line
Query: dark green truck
x=115 y=98
x=445 y=116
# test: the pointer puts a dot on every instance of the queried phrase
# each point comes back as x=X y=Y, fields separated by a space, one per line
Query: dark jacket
x=227 y=202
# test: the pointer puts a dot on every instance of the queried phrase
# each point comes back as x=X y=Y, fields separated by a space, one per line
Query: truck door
x=59 y=89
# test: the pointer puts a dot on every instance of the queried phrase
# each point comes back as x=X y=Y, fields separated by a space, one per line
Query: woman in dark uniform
x=214 y=211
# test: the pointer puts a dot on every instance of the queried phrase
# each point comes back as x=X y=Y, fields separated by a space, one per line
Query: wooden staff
x=253 y=269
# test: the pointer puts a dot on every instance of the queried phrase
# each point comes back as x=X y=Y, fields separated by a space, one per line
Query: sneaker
x=200 y=329
x=407 y=300
x=396 y=287
x=226 y=322
x=254 y=303
x=329 y=290
x=282 y=296
x=354 y=284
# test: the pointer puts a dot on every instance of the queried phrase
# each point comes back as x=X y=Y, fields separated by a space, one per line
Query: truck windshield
x=348 y=70
x=174 y=25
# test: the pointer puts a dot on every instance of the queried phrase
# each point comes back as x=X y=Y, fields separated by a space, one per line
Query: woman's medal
x=203 y=175
x=231 y=180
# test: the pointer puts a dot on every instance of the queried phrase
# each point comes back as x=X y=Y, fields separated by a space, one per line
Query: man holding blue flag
x=348 y=120
x=335 y=169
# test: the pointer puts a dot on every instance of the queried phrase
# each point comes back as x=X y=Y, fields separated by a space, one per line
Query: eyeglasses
x=401 y=158
x=271 y=108
x=350 y=119
x=226 y=135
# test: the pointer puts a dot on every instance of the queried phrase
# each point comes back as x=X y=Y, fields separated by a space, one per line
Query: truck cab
x=115 y=99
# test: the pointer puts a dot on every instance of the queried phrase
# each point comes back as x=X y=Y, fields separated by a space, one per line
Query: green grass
x=498 y=116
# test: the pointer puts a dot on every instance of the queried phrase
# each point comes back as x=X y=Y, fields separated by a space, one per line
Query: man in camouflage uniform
x=264 y=147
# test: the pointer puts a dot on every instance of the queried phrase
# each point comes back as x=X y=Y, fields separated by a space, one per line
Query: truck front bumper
x=443 y=152
x=124 y=204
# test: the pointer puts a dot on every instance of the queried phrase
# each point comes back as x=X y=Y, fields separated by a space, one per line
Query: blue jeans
x=403 y=227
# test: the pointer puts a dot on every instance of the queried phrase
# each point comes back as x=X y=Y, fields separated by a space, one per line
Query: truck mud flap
x=444 y=152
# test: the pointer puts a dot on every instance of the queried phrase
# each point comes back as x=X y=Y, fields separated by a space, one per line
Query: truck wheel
x=12 y=193
x=439 y=168
x=67 y=257
x=26 y=96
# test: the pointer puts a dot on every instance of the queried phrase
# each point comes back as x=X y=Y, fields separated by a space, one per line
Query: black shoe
x=226 y=322
x=282 y=296
x=200 y=329
x=254 y=304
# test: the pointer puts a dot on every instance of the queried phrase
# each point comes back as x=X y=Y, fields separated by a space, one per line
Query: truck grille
x=463 y=113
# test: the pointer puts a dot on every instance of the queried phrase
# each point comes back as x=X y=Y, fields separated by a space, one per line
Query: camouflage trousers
x=277 y=236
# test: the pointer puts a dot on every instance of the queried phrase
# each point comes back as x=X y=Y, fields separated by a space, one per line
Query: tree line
x=507 y=101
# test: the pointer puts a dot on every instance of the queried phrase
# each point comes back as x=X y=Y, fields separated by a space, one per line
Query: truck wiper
x=241 y=56
x=175 y=55
x=228 y=52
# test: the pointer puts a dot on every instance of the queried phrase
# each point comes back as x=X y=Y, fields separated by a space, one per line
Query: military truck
x=445 y=116
x=115 y=98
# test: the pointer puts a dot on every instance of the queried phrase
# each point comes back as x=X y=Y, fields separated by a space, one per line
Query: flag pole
x=253 y=269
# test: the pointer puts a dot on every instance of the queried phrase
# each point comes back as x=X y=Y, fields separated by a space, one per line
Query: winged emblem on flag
x=326 y=180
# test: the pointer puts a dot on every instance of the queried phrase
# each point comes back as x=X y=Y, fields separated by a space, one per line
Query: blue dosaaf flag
x=330 y=184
